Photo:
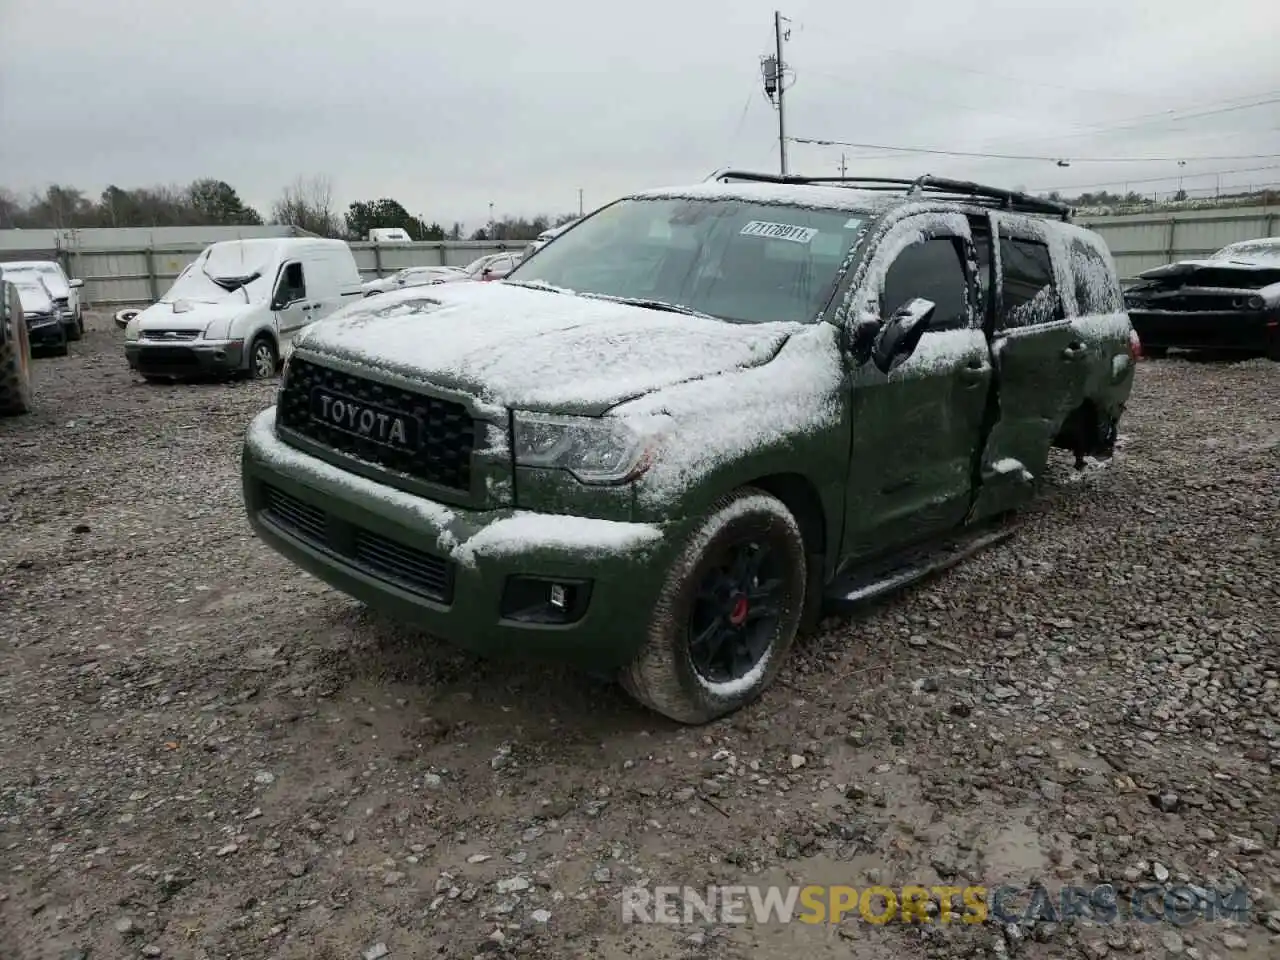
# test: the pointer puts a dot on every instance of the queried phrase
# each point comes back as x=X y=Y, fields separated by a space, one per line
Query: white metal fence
x=135 y=275
x=115 y=277
x=1145 y=240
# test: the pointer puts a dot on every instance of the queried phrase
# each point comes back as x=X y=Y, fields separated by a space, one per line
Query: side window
x=931 y=269
x=292 y=285
x=1097 y=290
x=1027 y=284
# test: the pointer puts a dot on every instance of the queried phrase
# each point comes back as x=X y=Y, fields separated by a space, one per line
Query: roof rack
x=960 y=190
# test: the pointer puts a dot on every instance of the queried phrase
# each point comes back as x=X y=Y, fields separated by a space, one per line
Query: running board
x=850 y=592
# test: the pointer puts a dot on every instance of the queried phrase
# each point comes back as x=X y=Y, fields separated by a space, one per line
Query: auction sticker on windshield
x=779 y=231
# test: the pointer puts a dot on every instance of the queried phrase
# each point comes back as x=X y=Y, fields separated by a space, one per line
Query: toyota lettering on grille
x=378 y=424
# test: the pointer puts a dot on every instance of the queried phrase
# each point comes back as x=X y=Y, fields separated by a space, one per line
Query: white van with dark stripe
x=237 y=307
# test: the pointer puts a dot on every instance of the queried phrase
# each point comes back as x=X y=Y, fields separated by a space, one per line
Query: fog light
x=545 y=601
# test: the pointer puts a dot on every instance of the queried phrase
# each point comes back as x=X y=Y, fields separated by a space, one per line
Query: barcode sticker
x=779 y=231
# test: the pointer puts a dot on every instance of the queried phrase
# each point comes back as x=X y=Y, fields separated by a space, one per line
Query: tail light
x=1135 y=346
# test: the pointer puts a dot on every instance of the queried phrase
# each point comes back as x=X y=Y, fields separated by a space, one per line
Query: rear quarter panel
x=1095 y=300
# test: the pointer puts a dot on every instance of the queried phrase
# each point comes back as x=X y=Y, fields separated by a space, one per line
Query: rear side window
x=1097 y=290
x=1027 y=286
x=931 y=269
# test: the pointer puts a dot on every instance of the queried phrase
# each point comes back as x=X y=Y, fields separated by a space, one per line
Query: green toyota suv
x=667 y=440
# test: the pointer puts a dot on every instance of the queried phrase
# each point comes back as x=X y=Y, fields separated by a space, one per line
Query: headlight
x=1256 y=302
x=593 y=449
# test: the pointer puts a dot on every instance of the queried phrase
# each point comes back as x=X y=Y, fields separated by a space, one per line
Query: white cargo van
x=238 y=306
x=389 y=235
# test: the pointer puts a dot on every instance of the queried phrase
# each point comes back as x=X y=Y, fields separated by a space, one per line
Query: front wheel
x=262 y=359
x=727 y=613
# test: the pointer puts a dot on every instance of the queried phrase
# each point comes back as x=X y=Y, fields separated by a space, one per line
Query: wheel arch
x=801 y=497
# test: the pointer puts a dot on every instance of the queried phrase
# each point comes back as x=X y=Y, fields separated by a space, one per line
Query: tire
x=693 y=683
x=74 y=330
x=15 y=369
x=263 y=359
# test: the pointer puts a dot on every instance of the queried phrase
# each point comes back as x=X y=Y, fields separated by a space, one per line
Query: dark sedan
x=1229 y=302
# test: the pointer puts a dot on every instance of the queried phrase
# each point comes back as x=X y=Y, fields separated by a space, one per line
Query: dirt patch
x=206 y=753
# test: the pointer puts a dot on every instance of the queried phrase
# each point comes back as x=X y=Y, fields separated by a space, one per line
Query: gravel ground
x=205 y=753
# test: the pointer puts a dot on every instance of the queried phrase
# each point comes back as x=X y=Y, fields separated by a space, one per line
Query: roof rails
x=959 y=190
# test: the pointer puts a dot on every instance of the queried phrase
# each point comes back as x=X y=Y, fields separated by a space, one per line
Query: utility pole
x=774 y=69
x=782 y=120
x=579 y=201
x=843 y=168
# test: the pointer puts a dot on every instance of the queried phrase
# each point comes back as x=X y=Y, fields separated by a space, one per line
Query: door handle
x=1075 y=351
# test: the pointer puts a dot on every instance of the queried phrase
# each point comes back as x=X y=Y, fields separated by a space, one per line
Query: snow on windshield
x=743 y=261
x=226 y=261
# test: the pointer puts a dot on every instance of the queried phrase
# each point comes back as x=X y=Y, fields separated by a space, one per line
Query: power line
x=1188 y=176
x=1169 y=117
x=1065 y=161
x=931 y=60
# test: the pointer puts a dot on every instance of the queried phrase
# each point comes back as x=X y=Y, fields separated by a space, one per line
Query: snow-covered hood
x=34 y=300
x=1184 y=267
x=537 y=350
x=215 y=319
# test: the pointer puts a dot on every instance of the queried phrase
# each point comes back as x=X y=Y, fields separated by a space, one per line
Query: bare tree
x=307 y=203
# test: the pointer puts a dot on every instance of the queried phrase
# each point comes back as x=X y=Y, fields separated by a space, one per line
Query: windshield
x=744 y=262
x=48 y=271
x=1262 y=252
x=221 y=276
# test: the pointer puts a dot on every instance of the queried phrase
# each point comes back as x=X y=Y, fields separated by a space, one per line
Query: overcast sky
x=448 y=106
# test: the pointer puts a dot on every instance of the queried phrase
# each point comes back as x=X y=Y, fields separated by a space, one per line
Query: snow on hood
x=710 y=423
x=538 y=350
x=33 y=298
x=200 y=316
x=1191 y=266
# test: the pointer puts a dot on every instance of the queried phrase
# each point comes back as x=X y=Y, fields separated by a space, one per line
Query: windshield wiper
x=536 y=285
x=661 y=305
x=232 y=284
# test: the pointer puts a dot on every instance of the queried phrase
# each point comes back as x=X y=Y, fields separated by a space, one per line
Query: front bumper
x=46 y=333
x=450 y=571
x=184 y=358
x=1252 y=330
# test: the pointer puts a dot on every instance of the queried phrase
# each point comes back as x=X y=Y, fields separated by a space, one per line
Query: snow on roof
x=810 y=196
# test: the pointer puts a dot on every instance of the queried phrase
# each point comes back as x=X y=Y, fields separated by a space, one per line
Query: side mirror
x=76 y=283
x=901 y=334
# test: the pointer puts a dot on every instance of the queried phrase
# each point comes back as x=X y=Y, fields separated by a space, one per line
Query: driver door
x=289 y=305
x=916 y=428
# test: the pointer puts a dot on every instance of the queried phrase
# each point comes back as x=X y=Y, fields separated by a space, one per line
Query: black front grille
x=407 y=567
x=445 y=435
x=301 y=518
x=180 y=357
